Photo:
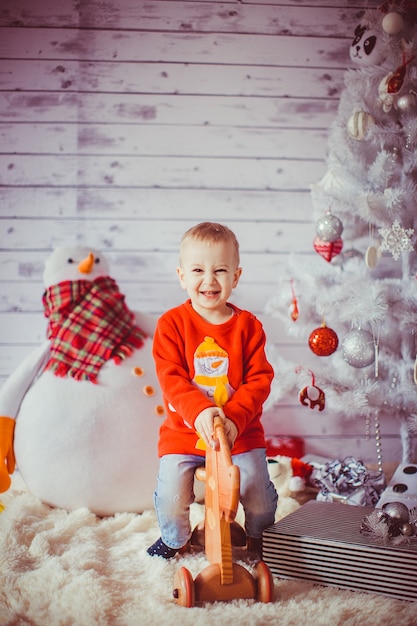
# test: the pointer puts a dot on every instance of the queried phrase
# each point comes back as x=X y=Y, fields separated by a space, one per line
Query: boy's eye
x=198 y=270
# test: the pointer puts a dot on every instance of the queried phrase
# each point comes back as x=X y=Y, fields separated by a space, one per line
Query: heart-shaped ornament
x=328 y=249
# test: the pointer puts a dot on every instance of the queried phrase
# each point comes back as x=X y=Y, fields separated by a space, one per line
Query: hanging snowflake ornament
x=396 y=239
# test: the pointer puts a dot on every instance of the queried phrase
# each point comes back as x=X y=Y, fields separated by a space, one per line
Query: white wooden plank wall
x=124 y=123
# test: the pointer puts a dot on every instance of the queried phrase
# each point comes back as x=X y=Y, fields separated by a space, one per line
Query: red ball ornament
x=323 y=341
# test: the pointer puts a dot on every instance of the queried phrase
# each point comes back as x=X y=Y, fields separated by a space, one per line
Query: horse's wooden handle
x=228 y=475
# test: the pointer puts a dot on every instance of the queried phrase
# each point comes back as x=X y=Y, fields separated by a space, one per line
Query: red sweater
x=200 y=365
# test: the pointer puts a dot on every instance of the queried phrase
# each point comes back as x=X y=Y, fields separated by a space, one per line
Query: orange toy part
x=7 y=459
x=221 y=502
x=223 y=579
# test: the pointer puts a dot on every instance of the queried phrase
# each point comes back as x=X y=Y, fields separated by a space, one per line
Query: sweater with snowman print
x=200 y=365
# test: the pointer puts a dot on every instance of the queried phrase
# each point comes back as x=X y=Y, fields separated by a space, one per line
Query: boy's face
x=209 y=273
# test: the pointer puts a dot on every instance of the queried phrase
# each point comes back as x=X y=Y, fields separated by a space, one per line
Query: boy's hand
x=204 y=424
x=231 y=431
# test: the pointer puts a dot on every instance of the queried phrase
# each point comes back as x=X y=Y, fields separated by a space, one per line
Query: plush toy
x=81 y=413
x=368 y=47
x=289 y=474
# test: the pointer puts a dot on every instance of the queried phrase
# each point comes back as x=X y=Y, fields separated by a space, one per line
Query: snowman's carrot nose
x=86 y=265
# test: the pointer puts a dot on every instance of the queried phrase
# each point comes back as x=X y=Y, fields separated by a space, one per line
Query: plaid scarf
x=89 y=323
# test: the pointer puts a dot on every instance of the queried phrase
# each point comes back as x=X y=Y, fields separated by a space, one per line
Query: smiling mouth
x=209 y=293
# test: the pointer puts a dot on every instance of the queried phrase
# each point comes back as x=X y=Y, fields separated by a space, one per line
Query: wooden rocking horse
x=223 y=579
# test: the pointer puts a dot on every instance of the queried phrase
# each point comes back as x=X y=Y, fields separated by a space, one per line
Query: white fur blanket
x=74 y=569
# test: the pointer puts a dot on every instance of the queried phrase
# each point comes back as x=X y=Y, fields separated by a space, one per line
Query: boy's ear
x=180 y=275
x=238 y=274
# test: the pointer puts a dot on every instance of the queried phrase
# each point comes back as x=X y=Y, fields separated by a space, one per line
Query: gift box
x=284 y=446
x=347 y=481
x=322 y=542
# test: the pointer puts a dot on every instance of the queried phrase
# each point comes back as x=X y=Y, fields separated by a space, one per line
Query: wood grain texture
x=124 y=123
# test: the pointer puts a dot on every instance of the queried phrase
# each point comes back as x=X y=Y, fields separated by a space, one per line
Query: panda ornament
x=367 y=48
x=384 y=43
x=81 y=414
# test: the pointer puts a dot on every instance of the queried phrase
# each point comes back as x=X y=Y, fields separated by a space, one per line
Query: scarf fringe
x=62 y=370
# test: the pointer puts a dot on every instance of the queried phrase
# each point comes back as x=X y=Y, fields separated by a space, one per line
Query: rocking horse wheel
x=264 y=581
x=184 y=591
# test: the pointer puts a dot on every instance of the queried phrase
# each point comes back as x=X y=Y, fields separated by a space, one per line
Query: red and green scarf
x=89 y=323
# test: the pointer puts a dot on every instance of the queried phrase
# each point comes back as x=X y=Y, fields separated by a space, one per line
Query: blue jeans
x=175 y=493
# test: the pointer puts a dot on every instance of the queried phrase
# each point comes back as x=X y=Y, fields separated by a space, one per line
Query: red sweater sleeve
x=246 y=403
x=174 y=374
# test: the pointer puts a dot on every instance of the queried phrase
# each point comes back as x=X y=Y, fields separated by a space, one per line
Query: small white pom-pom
x=296 y=483
x=392 y=23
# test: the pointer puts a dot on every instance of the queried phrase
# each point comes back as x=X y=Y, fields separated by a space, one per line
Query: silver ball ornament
x=406 y=102
x=358 y=348
x=407 y=530
x=329 y=227
x=397 y=511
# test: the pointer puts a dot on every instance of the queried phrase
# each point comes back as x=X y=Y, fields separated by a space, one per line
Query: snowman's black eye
x=96 y=260
x=70 y=260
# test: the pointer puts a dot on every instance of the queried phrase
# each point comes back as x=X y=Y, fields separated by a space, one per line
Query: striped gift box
x=322 y=542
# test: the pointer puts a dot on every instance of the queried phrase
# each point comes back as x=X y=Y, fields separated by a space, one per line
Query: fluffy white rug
x=61 y=568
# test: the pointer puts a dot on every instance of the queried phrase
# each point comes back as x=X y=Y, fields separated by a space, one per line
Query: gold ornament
x=372 y=256
x=359 y=124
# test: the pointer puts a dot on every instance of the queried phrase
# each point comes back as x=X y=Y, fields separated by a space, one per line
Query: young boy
x=210 y=361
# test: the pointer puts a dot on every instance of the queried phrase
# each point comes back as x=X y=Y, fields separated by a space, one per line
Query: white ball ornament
x=358 y=348
x=393 y=23
x=329 y=227
x=359 y=124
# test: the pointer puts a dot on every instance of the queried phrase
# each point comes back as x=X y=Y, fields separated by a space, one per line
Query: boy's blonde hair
x=212 y=233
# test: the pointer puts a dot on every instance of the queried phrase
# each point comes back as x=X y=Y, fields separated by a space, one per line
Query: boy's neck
x=215 y=316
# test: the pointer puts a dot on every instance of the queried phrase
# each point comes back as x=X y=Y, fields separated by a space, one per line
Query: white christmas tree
x=354 y=301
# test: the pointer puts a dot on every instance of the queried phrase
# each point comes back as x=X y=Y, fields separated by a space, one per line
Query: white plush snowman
x=85 y=407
